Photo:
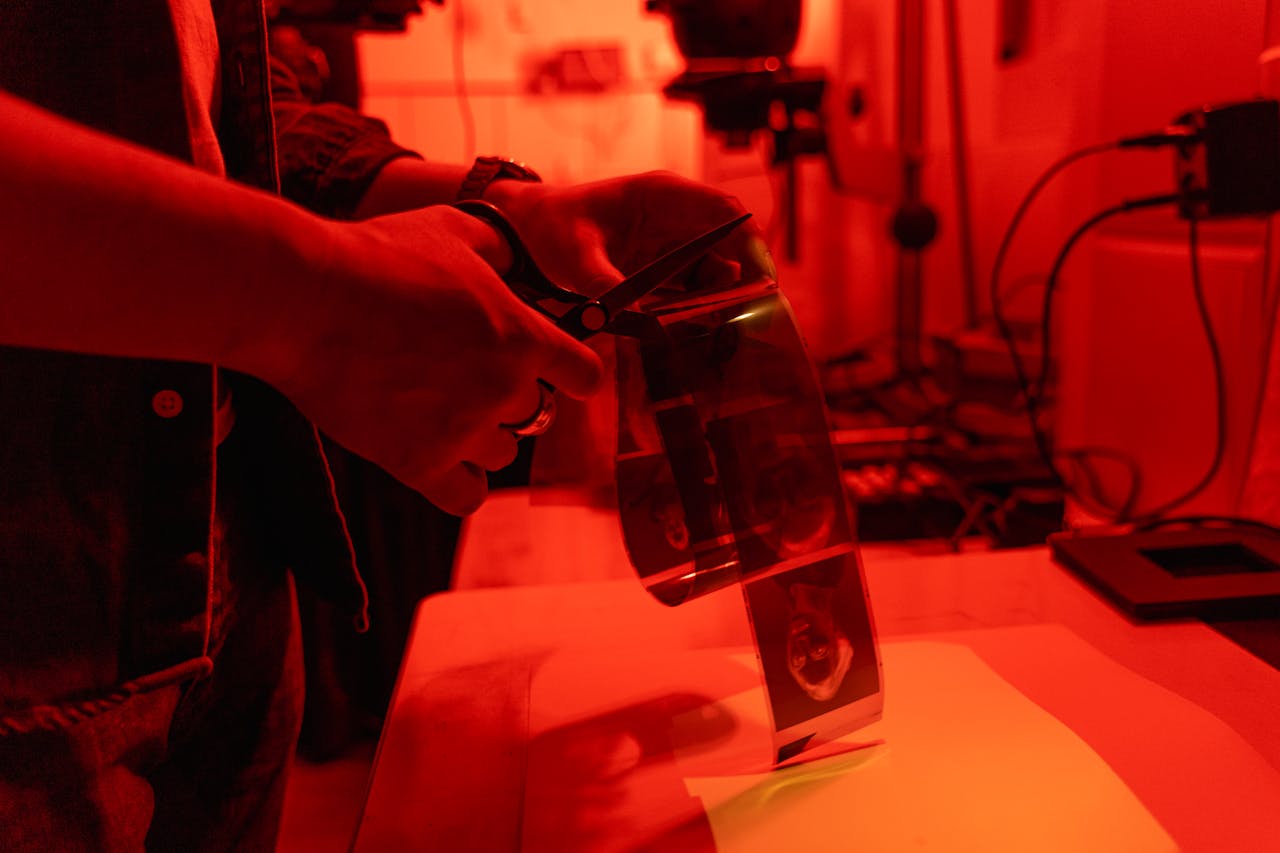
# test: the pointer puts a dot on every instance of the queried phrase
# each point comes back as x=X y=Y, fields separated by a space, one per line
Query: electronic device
x=1229 y=163
x=1162 y=574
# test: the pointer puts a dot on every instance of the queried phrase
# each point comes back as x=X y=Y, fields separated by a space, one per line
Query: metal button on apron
x=167 y=403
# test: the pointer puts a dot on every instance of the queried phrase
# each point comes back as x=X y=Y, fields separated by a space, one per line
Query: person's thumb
x=590 y=272
x=567 y=363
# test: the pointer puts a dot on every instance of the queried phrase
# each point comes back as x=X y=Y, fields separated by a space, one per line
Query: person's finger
x=758 y=262
x=558 y=358
x=525 y=403
x=568 y=364
x=699 y=208
x=494 y=450
x=598 y=275
x=708 y=208
x=588 y=269
x=460 y=490
x=746 y=244
x=712 y=272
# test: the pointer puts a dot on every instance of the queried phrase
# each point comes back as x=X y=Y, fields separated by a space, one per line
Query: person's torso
x=108 y=464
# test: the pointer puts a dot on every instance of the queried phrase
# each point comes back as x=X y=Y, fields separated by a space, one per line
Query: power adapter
x=1228 y=163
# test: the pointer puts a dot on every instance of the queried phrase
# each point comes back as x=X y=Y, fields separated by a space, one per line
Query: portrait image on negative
x=817 y=649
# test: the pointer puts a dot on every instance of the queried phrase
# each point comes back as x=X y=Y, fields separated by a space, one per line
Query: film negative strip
x=726 y=475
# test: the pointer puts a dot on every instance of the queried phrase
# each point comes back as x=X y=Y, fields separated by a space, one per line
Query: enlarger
x=738 y=70
x=900 y=405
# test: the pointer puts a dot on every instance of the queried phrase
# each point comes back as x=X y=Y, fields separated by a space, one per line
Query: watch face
x=508 y=168
x=489 y=169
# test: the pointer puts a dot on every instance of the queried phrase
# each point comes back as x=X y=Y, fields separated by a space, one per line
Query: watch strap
x=486 y=170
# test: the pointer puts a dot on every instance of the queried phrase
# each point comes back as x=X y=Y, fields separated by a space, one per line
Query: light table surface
x=1183 y=717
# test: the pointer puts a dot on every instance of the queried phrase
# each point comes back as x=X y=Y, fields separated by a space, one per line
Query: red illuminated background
x=1134 y=369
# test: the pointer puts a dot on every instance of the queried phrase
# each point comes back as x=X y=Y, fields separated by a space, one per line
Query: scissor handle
x=523 y=269
x=583 y=316
x=580 y=317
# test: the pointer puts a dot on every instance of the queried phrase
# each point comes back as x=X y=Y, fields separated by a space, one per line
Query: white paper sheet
x=968 y=764
x=628 y=749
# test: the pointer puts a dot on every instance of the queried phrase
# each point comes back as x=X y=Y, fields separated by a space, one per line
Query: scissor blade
x=642 y=282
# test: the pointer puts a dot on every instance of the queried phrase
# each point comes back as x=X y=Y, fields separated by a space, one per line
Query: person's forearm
x=110 y=249
x=408 y=183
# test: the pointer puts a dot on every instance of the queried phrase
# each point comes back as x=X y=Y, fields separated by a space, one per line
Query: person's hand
x=587 y=237
x=410 y=351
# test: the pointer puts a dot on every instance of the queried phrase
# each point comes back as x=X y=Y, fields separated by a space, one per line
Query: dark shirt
x=108 y=500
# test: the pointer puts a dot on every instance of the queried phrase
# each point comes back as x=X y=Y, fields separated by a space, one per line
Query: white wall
x=1136 y=369
x=409 y=81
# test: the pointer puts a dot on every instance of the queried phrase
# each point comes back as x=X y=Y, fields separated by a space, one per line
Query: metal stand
x=914 y=223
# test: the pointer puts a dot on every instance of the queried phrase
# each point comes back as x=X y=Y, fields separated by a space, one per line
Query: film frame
x=727 y=474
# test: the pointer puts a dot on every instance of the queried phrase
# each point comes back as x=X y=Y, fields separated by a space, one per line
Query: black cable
x=1021 y=211
x=997 y=299
x=1034 y=396
x=1126 y=511
x=1029 y=396
x=960 y=161
x=460 y=83
x=1270 y=308
x=997 y=307
x=1219 y=378
x=1170 y=136
x=1082 y=457
x=1090 y=476
x=1046 y=327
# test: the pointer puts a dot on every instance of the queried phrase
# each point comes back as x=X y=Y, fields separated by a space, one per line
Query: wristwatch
x=486 y=170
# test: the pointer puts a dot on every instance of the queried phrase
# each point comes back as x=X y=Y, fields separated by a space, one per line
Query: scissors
x=582 y=316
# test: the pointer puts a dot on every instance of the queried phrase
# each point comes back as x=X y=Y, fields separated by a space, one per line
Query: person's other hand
x=587 y=237
x=410 y=351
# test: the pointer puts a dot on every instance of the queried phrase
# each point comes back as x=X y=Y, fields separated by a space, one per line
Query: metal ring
x=541 y=419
